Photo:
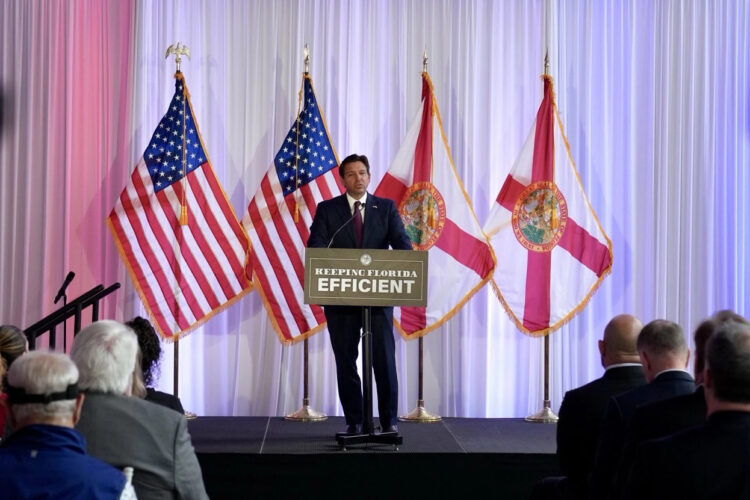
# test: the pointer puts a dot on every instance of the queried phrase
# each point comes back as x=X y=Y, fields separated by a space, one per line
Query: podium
x=366 y=277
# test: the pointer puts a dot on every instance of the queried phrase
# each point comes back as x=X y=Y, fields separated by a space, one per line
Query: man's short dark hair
x=351 y=159
x=706 y=329
x=728 y=358
x=661 y=337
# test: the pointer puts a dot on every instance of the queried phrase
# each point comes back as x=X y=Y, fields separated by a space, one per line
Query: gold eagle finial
x=178 y=50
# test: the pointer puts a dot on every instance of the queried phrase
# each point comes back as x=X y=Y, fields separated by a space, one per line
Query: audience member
x=45 y=457
x=664 y=356
x=13 y=343
x=126 y=431
x=150 y=347
x=582 y=409
x=674 y=414
x=710 y=460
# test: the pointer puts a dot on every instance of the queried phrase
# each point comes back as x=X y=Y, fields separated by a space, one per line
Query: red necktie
x=358 y=223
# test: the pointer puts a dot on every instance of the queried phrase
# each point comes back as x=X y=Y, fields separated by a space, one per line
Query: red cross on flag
x=438 y=217
x=552 y=251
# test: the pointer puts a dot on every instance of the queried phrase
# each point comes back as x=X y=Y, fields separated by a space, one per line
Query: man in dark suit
x=664 y=356
x=674 y=414
x=671 y=415
x=708 y=461
x=582 y=409
x=357 y=219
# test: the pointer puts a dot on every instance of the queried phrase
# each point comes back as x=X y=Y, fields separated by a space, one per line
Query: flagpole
x=545 y=415
x=306 y=413
x=178 y=51
x=419 y=414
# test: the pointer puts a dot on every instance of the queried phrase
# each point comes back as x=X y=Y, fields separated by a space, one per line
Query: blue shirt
x=48 y=461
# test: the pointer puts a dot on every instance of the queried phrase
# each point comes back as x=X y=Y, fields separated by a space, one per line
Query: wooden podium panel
x=365 y=277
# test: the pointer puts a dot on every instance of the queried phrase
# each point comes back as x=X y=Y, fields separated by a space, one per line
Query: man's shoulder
x=332 y=202
x=677 y=405
x=380 y=201
x=137 y=410
x=614 y=382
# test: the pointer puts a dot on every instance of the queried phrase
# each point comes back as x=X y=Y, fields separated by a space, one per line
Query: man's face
x=356 y=179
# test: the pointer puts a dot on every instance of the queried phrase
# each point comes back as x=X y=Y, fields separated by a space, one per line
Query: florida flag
x=439 y=218
x=554 y=253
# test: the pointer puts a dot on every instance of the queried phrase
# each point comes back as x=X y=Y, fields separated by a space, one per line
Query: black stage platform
x=269 y=457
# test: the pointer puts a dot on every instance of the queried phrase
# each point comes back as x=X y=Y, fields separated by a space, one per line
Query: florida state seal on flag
x=552 y=251
x=439 y=218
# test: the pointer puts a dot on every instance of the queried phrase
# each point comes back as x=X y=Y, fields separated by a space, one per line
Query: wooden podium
x=366 y=277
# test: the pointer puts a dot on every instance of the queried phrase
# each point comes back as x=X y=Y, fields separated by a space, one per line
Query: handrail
x=74 y=308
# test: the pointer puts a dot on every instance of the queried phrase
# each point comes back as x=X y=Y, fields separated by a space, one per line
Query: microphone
x=342 y=226
x=65 y=284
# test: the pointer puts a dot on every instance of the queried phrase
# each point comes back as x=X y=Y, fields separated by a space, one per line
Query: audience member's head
x=42 y=390
x=704 y=332
x=661 y=346
x=727 y=371
x=105 y=353
x=148 y=341
x=13 y=343
x=725 y=315
x=619 y=342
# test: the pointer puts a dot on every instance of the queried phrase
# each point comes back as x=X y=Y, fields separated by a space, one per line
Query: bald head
x=619 y=342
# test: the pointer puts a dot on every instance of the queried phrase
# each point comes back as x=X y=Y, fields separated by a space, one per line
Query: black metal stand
x=65 y=326
x=368 y=436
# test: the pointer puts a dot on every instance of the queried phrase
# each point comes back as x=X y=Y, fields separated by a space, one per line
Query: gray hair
x=105 y=354
x=43 y=373
x=728 y=358
x=662 y=338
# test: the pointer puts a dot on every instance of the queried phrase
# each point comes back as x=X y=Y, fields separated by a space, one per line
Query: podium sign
x=365 y=277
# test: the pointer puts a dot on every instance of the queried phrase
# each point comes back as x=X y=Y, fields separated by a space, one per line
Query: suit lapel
x=343 y=215
x=372 y=221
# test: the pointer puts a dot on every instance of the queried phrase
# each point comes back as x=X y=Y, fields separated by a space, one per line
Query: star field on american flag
x=314 y=155
x=164 y=154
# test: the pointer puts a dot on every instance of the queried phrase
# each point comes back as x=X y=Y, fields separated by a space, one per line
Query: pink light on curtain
x=67 y=84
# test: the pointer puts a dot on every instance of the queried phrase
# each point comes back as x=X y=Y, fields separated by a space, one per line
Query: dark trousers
x=344 y=324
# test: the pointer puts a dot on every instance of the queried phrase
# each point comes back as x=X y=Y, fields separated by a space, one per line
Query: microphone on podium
x=342 y=226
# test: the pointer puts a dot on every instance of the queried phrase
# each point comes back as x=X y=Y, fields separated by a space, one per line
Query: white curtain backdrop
x=654 y=98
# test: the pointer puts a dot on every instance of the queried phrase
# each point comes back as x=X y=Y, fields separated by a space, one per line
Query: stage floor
x=270 y=457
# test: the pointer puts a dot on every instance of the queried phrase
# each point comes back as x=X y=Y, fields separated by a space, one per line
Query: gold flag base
x=419 y=414
x=306 y=414
x=544 y=416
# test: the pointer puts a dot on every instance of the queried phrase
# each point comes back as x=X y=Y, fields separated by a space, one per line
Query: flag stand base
x=306 y=414
x=544 y=416
x=419 y=414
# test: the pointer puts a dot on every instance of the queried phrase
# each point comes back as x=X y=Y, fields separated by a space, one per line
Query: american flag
x=175 y=229
x=304 y=173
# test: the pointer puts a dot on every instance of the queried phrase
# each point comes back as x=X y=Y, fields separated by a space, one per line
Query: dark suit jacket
x=617 y=422
x=581 y=414
x=382 y=226
x=164 y=399
x=710 y=461
x=657 y=420
x=668 y=416
x=130 y=432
